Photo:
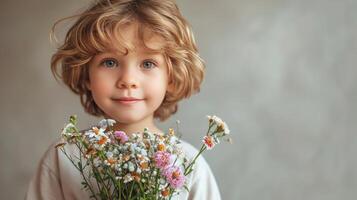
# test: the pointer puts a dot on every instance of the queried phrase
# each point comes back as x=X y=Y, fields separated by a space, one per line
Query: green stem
x=156 y=182
x=131 y=189
x=71 y=160
x=189 y=167
x=82 y=173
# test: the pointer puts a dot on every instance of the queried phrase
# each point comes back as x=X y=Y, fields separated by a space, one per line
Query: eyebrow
x=118 y=53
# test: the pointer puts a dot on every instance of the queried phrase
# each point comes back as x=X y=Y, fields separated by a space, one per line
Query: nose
x=127 y=79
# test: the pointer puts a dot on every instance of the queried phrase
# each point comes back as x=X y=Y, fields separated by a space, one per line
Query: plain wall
x=281 y=73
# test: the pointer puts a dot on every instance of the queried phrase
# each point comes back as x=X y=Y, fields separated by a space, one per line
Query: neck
x=130 y=128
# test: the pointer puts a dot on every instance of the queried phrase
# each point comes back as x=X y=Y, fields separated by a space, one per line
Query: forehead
x=136 y=37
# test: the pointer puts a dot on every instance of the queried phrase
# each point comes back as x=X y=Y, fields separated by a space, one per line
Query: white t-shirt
x=57 y=179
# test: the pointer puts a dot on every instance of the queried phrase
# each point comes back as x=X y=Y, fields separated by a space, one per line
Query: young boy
x=131 y=61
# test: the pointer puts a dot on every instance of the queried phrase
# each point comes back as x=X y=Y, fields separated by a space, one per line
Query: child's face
x=129 y=88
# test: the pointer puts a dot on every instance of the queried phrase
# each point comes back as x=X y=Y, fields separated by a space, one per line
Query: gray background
x=281 y=73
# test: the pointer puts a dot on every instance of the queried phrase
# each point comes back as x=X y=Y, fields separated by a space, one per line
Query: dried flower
x=209 y=142
x=153 y=163
x=104 y=123
x=121 y=136
x=162 y=159
x=174 y=176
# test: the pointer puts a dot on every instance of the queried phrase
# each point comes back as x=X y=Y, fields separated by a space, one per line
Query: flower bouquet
x=114 y=165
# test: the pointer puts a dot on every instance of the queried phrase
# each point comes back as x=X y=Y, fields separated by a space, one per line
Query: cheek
x=161 y=82
x=99 y=86
x=158 y=89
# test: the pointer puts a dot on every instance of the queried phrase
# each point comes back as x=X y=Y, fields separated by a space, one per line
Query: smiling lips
x=127 y=100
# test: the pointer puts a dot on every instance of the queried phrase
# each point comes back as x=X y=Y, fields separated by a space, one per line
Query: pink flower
x=209 y=142
x=162 y=159
x=174 y=176
x=121 y=136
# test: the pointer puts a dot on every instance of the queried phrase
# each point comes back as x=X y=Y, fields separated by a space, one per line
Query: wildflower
x=110 y=161
x=132 y=148
x=162 y=159
x=165 y=192
x=97 y=162
x=174 y=176
x=226 y=129
x=95 y=133
x=103 y=140
x=148 y=135
x=209 y=142
x=171 y=132
x=109 y=154
x=104 y=123
x=90 y=151
x=135 y=176
x=150 y=159
x=222 y=129
x=147 y=144
x=144 y=165
x=97 y=137
x=96 y=130
x=68 y=130
x=126 y=157
x=144 y=152
x=173 y=140
x=161 y=147
x=128 y=177
x=214 y=119
x=121 y=136
x=131 y=166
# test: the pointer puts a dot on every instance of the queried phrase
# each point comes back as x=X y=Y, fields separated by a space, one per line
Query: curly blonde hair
x=98 y=25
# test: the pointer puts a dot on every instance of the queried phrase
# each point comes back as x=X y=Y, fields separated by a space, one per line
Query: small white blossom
x=173 y=140
x=219 y=122
x=97 y=162
x=125 y=166
x=118 y=168
x=226 y=129
x=131 y=166
x=65 y=131
x=104 y=123
x=109 y=154
x=143 y=152
x=128 y=178
x=216 y=120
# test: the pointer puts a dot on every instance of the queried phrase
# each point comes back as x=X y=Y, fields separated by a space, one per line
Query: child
x=131 y=61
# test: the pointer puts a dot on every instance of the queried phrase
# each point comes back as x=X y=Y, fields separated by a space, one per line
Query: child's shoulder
x=188 y=148
x=190 y=152
x=201 y=181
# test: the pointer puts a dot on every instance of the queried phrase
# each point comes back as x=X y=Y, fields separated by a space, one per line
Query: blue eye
x=110 y=63
x=148 y=65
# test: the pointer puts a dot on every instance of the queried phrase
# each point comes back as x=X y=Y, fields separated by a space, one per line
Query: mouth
x=127 y=100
